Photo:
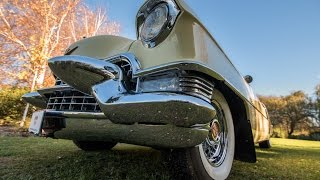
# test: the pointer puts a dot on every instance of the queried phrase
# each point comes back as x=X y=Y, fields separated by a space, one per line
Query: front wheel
x=94 y=145
x=214 y=157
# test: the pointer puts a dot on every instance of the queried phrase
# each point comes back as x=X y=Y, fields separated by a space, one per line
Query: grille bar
x=197 y=86
x=72 y=100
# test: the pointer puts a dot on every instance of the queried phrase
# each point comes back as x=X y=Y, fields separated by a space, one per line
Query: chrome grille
x=126 y=67
x=72 y=100
x=195 y=85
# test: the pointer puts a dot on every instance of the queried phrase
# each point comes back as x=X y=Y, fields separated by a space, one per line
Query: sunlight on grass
x=295 y=143
x=40 y=158
x=287 y=159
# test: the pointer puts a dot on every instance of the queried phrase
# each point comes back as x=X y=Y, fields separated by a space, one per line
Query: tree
x=33 y=31
x=317 y=103
x=289 y=111
x=298 y=109
x=275 y=106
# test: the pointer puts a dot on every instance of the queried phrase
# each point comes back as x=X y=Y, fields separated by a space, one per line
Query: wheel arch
x=244 y=147
x=244 y=142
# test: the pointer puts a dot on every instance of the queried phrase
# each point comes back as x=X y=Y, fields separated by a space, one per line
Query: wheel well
x=244 y=145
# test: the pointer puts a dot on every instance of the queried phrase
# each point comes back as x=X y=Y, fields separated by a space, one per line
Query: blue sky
x=277 y=42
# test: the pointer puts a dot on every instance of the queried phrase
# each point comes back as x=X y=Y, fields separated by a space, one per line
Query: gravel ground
x=13 y=131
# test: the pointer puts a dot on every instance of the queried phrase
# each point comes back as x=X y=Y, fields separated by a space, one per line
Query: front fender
x=100 y=47
x=190 y=41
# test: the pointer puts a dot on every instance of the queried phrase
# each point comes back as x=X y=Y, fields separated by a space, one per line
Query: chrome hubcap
x=215 y=145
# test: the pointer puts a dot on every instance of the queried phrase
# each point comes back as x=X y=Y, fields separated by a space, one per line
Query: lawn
x=40 y=158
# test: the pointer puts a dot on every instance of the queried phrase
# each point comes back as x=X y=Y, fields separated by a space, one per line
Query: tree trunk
x=25 y=113
x=41 y=76
x=291 y=128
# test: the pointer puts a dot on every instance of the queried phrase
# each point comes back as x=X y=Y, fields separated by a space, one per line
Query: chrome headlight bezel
x=166 y=81
x=146 y=10
x=176 y=81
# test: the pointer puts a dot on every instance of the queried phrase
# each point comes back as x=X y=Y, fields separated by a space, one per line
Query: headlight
x=155 y=20
x=168 y=81
x=176 y=81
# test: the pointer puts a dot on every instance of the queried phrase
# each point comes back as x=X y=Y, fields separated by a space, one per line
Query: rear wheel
x=265 y=144
x=94 y=145
x=214 y=157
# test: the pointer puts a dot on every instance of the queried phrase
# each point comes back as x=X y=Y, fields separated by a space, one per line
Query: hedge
x=11 y=103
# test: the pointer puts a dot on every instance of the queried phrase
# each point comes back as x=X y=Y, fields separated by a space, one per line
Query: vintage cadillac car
x=172 y=88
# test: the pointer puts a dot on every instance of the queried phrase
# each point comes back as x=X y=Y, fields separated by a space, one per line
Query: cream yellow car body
x=188 y=47
x=189 y=41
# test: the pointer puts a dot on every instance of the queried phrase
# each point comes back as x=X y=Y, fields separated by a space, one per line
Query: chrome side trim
x=179 y=65
x=35 y=99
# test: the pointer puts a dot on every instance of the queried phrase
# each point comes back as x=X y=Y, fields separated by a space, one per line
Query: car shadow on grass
x=123 y=162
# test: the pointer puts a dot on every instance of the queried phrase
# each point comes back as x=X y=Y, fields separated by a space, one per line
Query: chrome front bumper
x=95 y=127
x=164 y=136
x=163 y=119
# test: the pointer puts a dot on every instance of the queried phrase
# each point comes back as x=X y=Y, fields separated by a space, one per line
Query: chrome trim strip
x=69 y=114
x=45 y=91
x=194 y=86
x=179 y=65
x=196 y=80
x=205 y=127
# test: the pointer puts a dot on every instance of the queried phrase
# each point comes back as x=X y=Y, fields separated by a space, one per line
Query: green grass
x=39 y=158
x=287 y=159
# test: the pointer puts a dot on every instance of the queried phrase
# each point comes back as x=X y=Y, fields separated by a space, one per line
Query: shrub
x=279 y=132
x=315 y=136
x=11 y=103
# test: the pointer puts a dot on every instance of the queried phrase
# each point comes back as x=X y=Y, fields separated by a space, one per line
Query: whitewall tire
x=214 y=157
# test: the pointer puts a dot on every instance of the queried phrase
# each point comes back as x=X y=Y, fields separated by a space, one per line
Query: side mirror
x=248 y=79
